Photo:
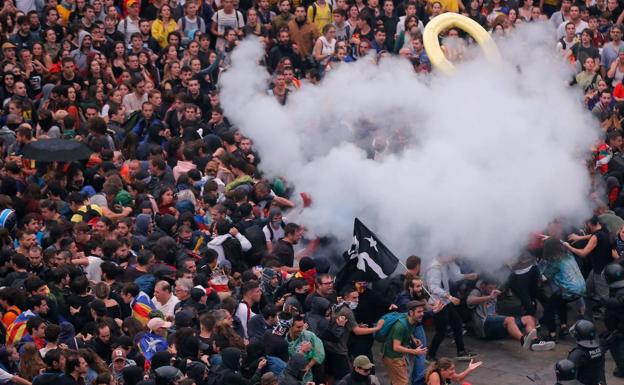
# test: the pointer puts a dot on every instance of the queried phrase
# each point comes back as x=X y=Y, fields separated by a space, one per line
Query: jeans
x=419 y=367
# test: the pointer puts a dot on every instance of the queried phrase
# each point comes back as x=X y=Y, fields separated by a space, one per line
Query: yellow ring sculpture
x=447 y=20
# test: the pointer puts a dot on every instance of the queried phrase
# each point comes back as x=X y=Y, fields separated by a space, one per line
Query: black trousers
x=528 y=289
x=448 y=316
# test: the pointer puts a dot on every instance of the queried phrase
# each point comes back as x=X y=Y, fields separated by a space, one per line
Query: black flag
x=368 y=255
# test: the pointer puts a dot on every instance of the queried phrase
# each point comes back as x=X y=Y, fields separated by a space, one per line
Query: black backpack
x=233 y=252
x=255 y=235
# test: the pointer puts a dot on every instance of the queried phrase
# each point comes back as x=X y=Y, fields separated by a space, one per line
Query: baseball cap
x=119 y=354
x=8 y=45
x=157 y=323
x=362 y=362
x=411 y=305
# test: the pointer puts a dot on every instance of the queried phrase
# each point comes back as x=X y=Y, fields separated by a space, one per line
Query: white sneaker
x=543 y=346
x=528 y=339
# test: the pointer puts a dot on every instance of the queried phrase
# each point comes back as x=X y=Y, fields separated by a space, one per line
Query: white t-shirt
x=5 y=376
x=579 y=28
x=166 y=309
x=93 y=269
x=277 y=234
x=233 y=20
x=244 y=314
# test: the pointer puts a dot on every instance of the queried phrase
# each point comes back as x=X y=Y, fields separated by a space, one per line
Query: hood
x=231 y=358
x=142 y=224
x=295 y=366
x=161 y=359
x=166 y=223
x=132 y=374
x=81 y=35
x=319 y=306
x=67 y=335
x=190 y=348
x=218 y=240
x=255 y=350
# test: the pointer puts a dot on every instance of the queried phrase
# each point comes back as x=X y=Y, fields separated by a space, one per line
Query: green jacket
x=317 y=352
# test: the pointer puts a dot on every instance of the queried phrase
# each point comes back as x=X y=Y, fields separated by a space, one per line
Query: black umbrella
x=56 y=150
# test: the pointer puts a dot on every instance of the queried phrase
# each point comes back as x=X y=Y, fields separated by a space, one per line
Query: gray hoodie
x=79 y=56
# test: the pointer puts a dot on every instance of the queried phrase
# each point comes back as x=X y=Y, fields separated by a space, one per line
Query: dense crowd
x=165 y=257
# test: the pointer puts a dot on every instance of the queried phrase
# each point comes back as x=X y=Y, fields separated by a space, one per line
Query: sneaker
x=542 y=346
x=466 y=355
x=528 y=339
x=550 y=338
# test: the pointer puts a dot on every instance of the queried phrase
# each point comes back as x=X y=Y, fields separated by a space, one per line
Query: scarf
x=282 y=327
x=309 y=276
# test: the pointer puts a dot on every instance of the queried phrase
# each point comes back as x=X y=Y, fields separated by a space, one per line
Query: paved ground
x=506 y=363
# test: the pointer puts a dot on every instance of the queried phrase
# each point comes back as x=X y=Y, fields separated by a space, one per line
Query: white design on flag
x=152 y=344
x=365 y=259
x=372 y=242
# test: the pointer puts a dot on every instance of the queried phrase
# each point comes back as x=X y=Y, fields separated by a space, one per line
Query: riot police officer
x=566 y=373
x=614 y=317
x=588 y=356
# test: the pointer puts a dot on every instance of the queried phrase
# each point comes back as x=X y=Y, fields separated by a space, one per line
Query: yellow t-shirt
x=64 y=14
x=323 y=15
x=450 y=5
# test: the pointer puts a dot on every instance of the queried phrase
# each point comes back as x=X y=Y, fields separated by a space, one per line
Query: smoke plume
x=493 y=153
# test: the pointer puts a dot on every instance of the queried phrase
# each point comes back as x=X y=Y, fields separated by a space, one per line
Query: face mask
x=352 y=305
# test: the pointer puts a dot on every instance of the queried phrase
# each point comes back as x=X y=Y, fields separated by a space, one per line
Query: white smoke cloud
x=495 y=151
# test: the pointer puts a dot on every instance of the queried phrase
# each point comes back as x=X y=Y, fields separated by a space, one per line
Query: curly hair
x=30 y=361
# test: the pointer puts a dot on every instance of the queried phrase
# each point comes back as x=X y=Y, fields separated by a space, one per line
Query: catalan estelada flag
x=151 y=344
x=17 y=329
x=141 y=306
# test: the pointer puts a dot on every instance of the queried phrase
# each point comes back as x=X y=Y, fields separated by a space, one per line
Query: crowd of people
x=166 y=258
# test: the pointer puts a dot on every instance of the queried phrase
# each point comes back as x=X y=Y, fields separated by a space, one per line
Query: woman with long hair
x=41 y=58
x=118 y=59
x=96 y=364
x=163 y=25
x=223 y=329
x=132 y=326
x=254 y=26
x=114 y=99
x=166 y=202
x=171 y=76
x=325 y=46
x=442 y=372
x=31 y=363
x=168 y=55
x=352 y=17
x=404 y=40
x=433 y=9
x=149 y=71
x=567 y=285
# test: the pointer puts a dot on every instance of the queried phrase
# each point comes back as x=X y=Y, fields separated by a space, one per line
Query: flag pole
x=423 y=286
